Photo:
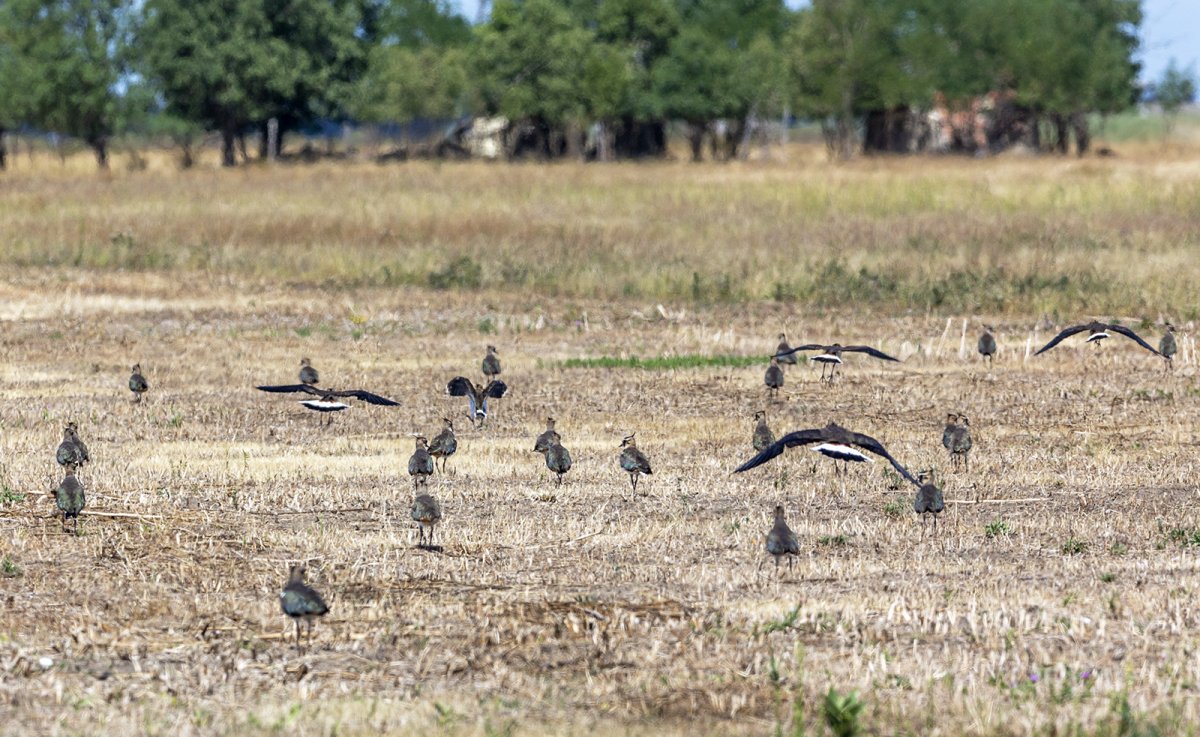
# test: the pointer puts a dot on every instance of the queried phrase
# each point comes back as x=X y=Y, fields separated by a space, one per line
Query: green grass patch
x=667 y=363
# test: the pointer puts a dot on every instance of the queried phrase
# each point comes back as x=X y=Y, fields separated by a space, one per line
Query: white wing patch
x=840 y=452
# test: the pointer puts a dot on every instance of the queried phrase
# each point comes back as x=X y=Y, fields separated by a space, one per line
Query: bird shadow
x=431 y=548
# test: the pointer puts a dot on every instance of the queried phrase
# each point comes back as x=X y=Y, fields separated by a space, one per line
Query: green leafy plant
x=842 y=712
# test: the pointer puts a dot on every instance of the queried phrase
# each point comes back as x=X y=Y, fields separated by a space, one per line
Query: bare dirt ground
x=1060 y=591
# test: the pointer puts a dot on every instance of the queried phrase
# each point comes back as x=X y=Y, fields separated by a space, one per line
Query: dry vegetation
x=1061 y=596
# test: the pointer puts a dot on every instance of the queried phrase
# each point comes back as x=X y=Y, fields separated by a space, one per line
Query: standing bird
x=71 y=452
x=137 y=383
x=427 y=513
x=987 y=344
x=444 y=444
x=781 y=540
x=1167 y=348
x=784 y=351
x=956 y=438
x=836 y=442
x=1097 y=331
x=774 y=377
x=477 y=396
x=69 y=498
x=491 y=364
x=420 y=465
x=831 y=355
x=300 y=601
x=558 y=459
x=543 y=442
x=308 y=374
x=929 y=500
x=762 y=434
x=633 y=461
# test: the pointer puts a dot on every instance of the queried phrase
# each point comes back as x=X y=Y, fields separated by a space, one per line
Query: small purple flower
x=1085 y=675
x=1033 y=678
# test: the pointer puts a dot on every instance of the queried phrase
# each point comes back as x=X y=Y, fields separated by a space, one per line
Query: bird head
x=448 y=423
x=783 y=336
x=550 y=423
x=421 y=441
x=627 y=441
x=491 y=349
x=774 y=360
x=1170 y=328
x=305 y=362
x=137 y=368
x=778 y=511
x=963 y=419
x=760 y=415
x=926 y=476
x=296 y=573
x=950 y=418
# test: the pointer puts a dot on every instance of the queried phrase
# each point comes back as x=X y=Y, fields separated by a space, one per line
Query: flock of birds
x=303 y=604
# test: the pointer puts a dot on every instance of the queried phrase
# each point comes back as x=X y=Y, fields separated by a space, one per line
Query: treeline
x=601 y=78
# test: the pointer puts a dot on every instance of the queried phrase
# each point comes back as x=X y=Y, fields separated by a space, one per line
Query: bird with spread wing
x=1097 y=331
x=830 y=356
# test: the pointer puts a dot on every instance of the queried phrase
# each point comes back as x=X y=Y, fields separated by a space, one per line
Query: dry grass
x=1017 y=236
x=581 y=609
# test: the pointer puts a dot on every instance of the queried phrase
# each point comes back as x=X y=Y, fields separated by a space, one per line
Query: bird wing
x=868 y=443
x=1130 y=334
x=365 y=396
x=791 y=440
x=460 y=386
x=495 y=389
x=1063 y=336
x=287 y=388
x=870 y=352
x=473 y=409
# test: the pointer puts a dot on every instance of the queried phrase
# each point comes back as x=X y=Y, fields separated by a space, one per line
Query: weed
x=9 y=569
x=998 y=528
x=896 y=508
x=461 y=273
x=833 y=541
x=9 y=496
x=1073 y=546
x=842 y=713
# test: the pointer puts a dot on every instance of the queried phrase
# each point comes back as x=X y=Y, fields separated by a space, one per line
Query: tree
x=695 y=82
x=69 y=57
x=227 y=64
x=1174 y=89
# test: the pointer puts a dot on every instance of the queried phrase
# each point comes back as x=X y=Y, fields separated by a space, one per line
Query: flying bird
x=1097 y=331
x=137 y=383
x=835 y=442
x=830 y=356
x=300 y=601
x=326 y=400
x=477 y=396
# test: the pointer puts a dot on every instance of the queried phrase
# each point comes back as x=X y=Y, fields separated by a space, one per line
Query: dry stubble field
x=1060 y=595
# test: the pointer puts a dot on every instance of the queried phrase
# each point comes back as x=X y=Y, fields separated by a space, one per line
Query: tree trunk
x=3 y=150
x=574 y=140
x=1062 y=134
x=186 y=161
x=100 y=146
x=695 y=138
x=1035 y=134
x=228 y=144
x=1083 y=138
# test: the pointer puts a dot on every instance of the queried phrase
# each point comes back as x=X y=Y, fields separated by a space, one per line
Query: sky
x=1171 y=29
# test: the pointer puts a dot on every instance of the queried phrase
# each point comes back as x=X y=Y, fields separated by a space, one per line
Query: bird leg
x=297 y=621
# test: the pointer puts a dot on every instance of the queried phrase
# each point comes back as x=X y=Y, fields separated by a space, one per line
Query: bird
x=477 y=396
x=137 y=383
x=444 y=444
x=308 y=374
x=326 y=399
x=831 y=355
x=1167 y=347
x=633 y=460
x=70 y=499
x=427 y=512
x=836 y=442
x=420 y=464
x=762 y=434
x=956 y=438
x=558 y=458
x=774 y=377
x=1097 y=331
x=781 y=540
x=71 y=452
x=300 y=601
x=784 y=351
x=929 y=499
x=491 y=364
x=987 y=343
x=542 y=444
